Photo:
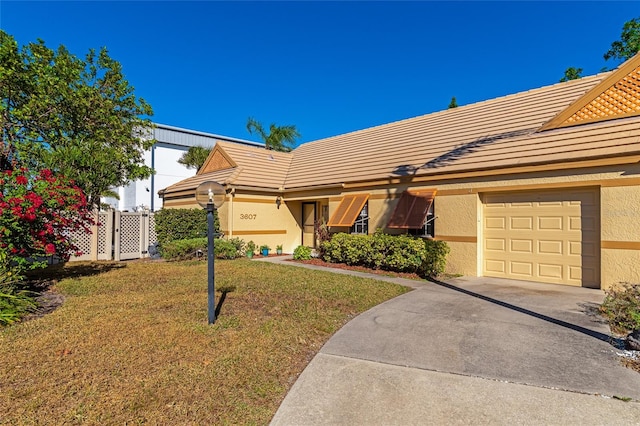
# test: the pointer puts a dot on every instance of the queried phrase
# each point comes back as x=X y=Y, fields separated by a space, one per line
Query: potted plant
x=251 y=248
x=279 y=249
x=264 y=249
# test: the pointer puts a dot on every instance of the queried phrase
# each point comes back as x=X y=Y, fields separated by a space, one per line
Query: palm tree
x=195 y=157
x=279 y=138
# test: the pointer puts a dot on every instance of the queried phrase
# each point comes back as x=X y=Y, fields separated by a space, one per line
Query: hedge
x=401 y=253
x=197 y=248
x=184 y=249
x=182 y=224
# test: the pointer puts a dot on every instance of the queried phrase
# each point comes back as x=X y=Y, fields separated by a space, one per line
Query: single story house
x=542 y=185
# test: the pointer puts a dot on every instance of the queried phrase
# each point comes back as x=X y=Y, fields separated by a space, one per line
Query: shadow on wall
x=461 y=151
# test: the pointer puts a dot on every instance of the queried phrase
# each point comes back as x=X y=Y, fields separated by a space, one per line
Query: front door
x=308 y=224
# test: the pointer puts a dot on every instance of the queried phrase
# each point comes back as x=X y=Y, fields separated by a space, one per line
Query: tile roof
x=513 y=130
x=258 y=166
x=494 y=133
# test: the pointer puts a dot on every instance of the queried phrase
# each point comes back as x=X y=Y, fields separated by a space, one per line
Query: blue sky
x=327 y=67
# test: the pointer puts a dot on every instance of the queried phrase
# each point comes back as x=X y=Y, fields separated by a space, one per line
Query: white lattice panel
x=128 y=242
x=121 y=235
x=153 y=237
x=82 y=239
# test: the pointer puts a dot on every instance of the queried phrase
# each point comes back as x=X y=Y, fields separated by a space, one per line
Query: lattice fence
x=120 y=236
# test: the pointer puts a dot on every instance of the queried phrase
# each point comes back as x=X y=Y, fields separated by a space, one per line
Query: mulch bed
x=320 y=262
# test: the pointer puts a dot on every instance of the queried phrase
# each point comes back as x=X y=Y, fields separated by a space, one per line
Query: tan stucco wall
x=458 y=207
x=457 y=215
x=457 y=224
x=620 y=223
x=619 y=266
x=620 y=213
x=257 y=218
x=462 y=259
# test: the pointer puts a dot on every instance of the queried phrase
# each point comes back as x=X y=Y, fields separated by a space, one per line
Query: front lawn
x=131 y=344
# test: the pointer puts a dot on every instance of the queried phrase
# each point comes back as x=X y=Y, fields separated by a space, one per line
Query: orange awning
x=348 y=210
x=412 y=209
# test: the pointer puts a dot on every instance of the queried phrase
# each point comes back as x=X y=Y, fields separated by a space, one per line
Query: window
x=415 y=212
x=361 y=225
x=429 y=227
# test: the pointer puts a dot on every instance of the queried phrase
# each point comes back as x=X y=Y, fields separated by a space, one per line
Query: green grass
x=132 y=345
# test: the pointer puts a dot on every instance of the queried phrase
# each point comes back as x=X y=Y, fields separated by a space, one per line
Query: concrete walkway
x=468 y=351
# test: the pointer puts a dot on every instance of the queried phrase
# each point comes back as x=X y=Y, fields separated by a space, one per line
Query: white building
x=163 y=157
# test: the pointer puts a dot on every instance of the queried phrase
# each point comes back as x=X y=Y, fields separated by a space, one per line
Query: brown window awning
x=412 y=209
x=348 y=210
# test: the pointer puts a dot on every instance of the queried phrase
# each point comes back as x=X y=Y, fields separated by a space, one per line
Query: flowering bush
x=38 y=212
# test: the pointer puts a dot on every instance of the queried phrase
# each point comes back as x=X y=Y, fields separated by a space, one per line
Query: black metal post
x=210 y=257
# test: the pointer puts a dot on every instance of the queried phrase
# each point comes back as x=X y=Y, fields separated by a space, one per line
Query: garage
x=545 y=236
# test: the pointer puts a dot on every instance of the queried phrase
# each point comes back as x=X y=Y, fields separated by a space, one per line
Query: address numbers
x=248 y=216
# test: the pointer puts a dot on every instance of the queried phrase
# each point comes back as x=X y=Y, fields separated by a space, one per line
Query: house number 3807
x=249 y=216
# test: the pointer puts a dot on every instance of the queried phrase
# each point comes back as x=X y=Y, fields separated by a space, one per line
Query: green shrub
x=302 y=253
x=197 y=248
x=435 y=259
x=621 y=307
x=184 y=249
x=401 y=253
x=238 y=244
x=182 y=224
x=226 y=249
x=14 y=305
x=251 y=247
x=335 y=249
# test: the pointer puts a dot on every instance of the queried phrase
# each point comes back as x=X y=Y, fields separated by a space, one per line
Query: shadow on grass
x=618 y=343
x=41 y=279
x=224 y=290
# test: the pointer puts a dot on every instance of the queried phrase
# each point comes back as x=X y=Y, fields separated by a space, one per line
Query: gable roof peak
x=616 y=96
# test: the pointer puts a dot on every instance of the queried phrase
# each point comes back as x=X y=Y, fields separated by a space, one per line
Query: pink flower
x=21 y=180
x=50 y=249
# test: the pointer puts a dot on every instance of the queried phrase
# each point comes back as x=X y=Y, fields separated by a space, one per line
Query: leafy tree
x=453 y=103
x=629 y=43
x=79 y=118
x=195 y=157
x=571 y=73
x=279 y=138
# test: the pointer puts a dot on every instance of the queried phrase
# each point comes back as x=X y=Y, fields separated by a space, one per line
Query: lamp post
x=211 y=195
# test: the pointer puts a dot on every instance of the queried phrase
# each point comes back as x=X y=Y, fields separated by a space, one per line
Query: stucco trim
x=608 y=183
x=254 y=200
x=456 y=238
x=620 y=245
x=261 y=232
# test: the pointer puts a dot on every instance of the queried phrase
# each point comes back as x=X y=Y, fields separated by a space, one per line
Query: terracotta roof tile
x=486 y=134
x=493 y=134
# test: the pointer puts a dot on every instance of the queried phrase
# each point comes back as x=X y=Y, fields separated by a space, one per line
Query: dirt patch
x=48 y=302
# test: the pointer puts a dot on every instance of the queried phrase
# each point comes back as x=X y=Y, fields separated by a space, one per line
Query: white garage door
x=546 y=236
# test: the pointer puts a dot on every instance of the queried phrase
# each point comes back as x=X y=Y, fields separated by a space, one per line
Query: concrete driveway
x=470 y=351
